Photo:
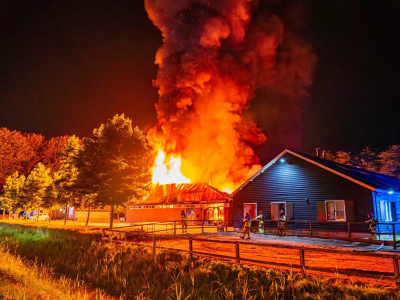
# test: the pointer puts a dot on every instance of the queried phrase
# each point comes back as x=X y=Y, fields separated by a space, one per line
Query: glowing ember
x=167 y=172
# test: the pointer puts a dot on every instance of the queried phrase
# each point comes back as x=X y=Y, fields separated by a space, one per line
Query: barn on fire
x=313 y=188
x=200 y=201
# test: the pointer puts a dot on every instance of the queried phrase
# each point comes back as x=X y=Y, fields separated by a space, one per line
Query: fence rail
x=302 y=251
x=301 y=228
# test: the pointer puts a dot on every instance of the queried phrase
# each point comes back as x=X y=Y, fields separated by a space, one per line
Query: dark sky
x=68 y=66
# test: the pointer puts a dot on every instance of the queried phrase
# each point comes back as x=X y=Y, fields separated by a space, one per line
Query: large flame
x=167 y=171
x=215 y=55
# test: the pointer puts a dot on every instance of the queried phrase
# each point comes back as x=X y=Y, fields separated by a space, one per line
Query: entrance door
x=276 y=207
x=250 y=208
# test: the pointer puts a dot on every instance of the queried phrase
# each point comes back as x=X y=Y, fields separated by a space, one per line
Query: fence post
x=237 y=252
x=348 y=230
x=310 y=228
x=394 y=237
x=191 y=247
x=174 y=227
x=396 y=270
x=302 y=262
x=154 y=245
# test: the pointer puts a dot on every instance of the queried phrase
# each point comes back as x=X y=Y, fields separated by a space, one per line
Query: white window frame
x=387 y=210
x=326 y=210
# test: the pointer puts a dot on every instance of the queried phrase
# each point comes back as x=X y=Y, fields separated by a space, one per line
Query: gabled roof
x=371 y=180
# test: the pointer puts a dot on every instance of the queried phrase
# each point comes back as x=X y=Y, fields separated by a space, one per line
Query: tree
x=343 y=157
x=51 y=152
x=114 y=163
x=15 y=153
x=388 y=161
x=35 y=144
x=367 y=159
x=14 y=184
x=36 y=188
x=64 y=179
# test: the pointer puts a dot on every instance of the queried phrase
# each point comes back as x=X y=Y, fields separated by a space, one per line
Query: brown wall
x=158 y=214
x=153 y=214
x=95 y=216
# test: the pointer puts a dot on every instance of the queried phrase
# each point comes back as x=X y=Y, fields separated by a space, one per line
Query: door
x=250 y=208
x=276 y=207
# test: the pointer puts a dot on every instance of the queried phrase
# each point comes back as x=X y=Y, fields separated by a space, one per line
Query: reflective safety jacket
x=372 y=223
x=183 y=217
x=247 y=221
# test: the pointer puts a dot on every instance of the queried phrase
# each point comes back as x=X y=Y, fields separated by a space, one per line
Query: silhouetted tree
x=114 y=164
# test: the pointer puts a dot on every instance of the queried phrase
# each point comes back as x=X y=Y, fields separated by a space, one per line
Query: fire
x=167 y=171
x=215 y=56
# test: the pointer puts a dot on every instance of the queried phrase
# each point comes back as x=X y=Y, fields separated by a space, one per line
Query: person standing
x=260 y=217
x=184 y=222
x=282 y=225
x=246 y=228
x=372 y=221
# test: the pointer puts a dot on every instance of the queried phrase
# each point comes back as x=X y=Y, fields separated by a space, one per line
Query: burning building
x=200 y=201
x=215 y=55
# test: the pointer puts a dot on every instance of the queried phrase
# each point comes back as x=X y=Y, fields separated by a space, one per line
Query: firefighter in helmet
x=260 y=217
x=183 y=221
x=246 y=228
x=282 y=225
x=372 y=222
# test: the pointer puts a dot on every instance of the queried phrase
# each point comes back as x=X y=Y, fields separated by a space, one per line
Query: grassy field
x=133 y=272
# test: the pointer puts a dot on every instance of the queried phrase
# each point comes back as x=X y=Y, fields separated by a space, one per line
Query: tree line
x=108 y=168
x=384 y=162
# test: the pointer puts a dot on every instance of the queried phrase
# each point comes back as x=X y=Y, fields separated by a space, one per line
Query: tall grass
x=23 y=279
x=136 y=273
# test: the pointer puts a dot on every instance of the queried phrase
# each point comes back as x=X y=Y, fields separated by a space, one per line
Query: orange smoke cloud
x=210 y=65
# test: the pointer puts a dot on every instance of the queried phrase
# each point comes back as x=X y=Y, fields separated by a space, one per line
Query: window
x=335 y=210
x=388 y=211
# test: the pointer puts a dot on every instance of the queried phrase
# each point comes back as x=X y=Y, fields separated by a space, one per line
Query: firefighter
x=260 y=217
x=183 y=220
x=246 y=228
x=372 y=221
x=282 y=225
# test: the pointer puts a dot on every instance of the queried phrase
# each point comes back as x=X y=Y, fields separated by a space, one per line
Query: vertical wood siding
x=295 y=181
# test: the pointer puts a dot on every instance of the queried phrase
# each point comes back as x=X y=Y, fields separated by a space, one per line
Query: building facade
x=315 y=189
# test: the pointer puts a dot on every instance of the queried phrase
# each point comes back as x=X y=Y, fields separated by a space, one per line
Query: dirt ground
x=329 y=261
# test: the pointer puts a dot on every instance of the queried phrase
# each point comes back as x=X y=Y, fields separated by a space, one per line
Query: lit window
x=388 y=211
x=335 y=210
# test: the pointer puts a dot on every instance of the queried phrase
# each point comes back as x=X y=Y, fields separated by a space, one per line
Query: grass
x=22 y=279
x=133 y=272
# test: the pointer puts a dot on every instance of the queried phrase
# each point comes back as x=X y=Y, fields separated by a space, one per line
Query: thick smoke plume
x=215 y=55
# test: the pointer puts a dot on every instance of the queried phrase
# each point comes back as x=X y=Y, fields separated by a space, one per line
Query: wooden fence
x=293 y=228
x=395 y=276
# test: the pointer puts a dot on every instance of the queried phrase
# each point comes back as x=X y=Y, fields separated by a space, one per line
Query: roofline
x=306 y=159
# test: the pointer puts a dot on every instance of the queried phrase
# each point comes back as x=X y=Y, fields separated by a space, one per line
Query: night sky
x=68 y=66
